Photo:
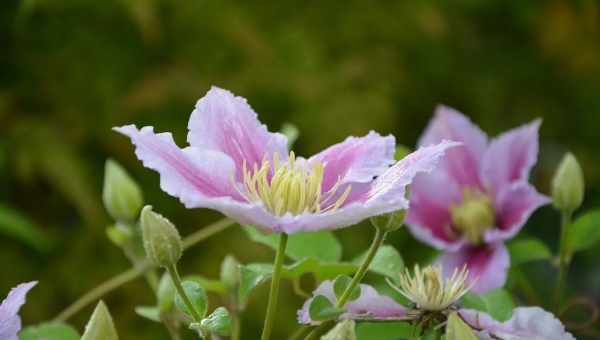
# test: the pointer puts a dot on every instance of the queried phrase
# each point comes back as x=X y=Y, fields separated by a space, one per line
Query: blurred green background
x=72 y=69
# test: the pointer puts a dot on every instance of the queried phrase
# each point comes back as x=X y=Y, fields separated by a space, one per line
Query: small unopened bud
x=230 y=272
x=568 y=184
x=342 y=331
x=120 y=234
x=121 y=195
x=389 y=222
x=161 y=239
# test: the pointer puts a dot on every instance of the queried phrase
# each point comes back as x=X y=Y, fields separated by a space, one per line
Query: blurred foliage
x=72 y=69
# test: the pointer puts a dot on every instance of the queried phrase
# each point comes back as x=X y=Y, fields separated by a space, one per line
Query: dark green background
x=72 y=69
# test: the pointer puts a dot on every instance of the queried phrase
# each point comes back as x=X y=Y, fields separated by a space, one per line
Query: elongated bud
x=342 y=331
x=389 y=222
x=230 y=272
x=161 y=239
x=100 y=326
x=121 y=195
x=568 y=184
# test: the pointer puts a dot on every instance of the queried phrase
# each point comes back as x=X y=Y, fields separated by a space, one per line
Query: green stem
x=236 y=326
x=274 y=292
x=360 y=274
x=179 y=288
x=564 y=257
x=129 y=275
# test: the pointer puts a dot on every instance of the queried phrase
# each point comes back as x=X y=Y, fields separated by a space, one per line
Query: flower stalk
x=274 y=291
x=563 y=257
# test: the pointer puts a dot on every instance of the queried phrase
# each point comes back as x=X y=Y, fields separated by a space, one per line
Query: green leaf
x=219 y=322
x=100 y=326
x=251 y=276
x=197 y=297
x=322 y=270
x=387 y=262
x=18 y=226
x=148 y=312
x=457 y=329
x=498 y=303
x=211 y=286
x=341 y=283
x=383 y=330
x=585 y=231
x=527 y=250
x=322 y=309
x=291 y=132
x=322 y=245
x=49 y=331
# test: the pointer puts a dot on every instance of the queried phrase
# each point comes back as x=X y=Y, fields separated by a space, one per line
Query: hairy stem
x=563 y=258
x=133 y=273
x=274 y=292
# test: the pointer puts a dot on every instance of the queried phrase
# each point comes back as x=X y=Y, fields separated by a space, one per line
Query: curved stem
x=274 y=292
x=132 y=273
x=176 y=279
x=360 y=274
x=563 y=257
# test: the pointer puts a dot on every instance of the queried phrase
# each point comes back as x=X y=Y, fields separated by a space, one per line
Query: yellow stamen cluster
x=290 y=187
x=428 y=290
x=473 y=216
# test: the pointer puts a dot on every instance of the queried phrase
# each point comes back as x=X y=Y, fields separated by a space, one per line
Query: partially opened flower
x=478 y=198
x=10 y=322
x=236 y=166
x=431 y=294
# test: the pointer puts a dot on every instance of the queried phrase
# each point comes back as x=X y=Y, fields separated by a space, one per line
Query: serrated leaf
x=100 y=326
x=252 y=275
x=322 y=245
x=339 y=287
x=387 y=262
x=457 y=329
x=218 y=322
x=322 y=309
x=196 y=295
x=49 y=331
x=527 y=250
x=383 y=330
x=498 y=303
x=151 y=313
x=584 y=232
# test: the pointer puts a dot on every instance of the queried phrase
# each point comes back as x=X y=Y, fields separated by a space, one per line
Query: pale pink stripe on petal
x=223 y=122
x=511 y=156
x=462 y=163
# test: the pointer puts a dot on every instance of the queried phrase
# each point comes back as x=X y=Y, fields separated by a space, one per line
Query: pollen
x=291 y=187
x=473 y=216
x=429 y=291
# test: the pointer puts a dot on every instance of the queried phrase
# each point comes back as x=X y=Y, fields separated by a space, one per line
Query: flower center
x=473 y=216
x=291 y=187
x=429 y=291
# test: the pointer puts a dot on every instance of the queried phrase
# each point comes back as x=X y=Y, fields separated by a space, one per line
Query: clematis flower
x=10 y=322
x=430 y=293
x=236 y=166
x=478 y=198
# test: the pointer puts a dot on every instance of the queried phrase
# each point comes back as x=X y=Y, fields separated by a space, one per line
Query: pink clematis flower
x=236 y=166
x=10 y=322
x=526 y=323
x=478 y=198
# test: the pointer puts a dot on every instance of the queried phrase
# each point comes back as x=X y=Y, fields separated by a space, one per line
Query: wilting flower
x=10 y=322
x=478 y=198
x=428 y=289
x=429 y=292
x=236 y=166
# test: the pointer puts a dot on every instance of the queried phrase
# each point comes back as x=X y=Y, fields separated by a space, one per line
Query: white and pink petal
x=10 y=322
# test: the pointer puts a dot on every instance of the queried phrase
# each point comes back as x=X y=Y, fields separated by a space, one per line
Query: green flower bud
x=219 y=322
x=120 y=234
x=100 y=326
x=161 y=239
x=389 y=222
x=342 y=331
x=121 y=195
x=568 y=184
x=230 y=272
